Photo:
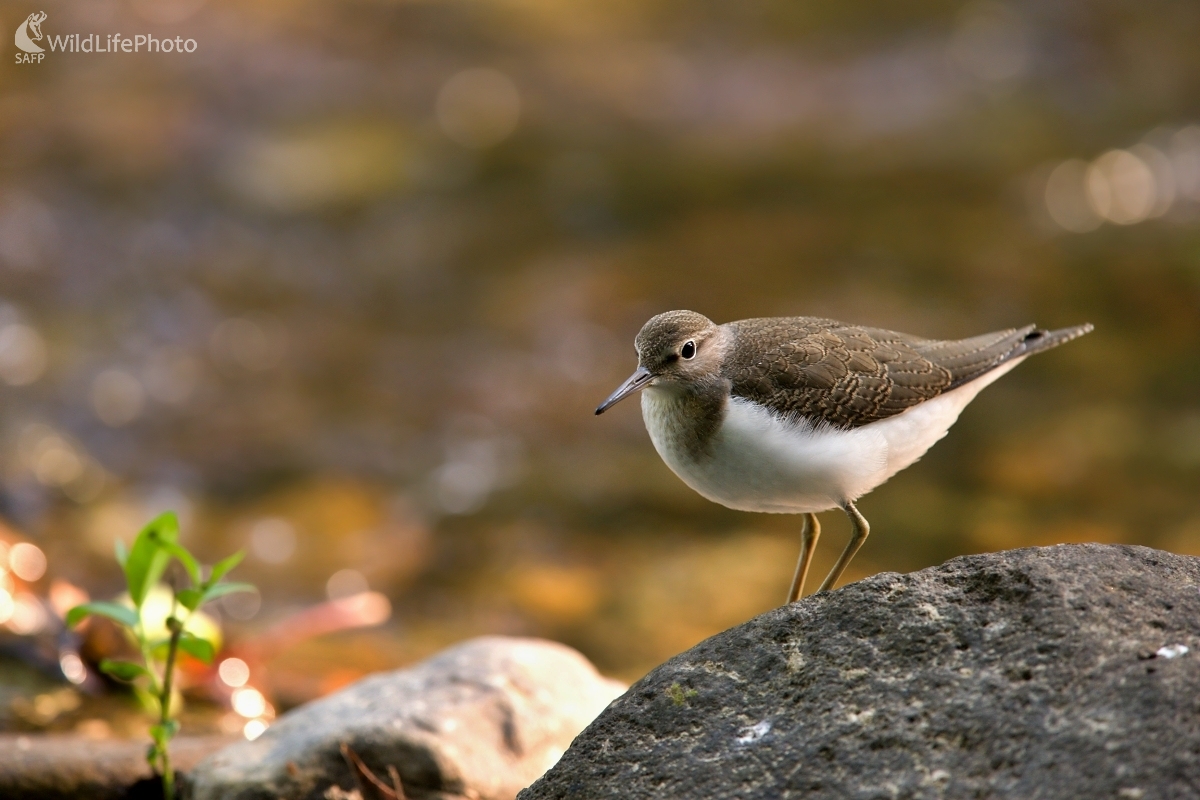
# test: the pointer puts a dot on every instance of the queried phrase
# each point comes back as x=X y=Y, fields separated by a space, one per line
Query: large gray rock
x=1056 y=672
x=480 y=720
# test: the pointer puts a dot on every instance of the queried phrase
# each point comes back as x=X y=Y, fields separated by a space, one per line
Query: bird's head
x=678 y=347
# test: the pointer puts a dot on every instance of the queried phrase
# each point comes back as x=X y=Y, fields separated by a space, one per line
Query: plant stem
x=143 y=643
x=164 y=704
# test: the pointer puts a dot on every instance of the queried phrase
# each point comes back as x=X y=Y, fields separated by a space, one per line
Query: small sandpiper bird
x=796 y=415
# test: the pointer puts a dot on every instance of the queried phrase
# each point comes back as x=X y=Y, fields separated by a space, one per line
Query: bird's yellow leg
x=858 y=535
x=808 y=543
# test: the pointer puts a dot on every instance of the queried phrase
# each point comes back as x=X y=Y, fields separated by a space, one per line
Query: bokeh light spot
x=478 y=108
x=117 y=397
x=248 y=702
x=1184 y=152
x=28 y=615
x=345 y=583
x=367 y=608
x=27 y=561
x=234 y=672
x=254 y=729
x=72 y=668
x=22 y=354
x=1066 y=198
x=7 y=606
x=56 y=462
x=242 y=605
x=171 y=375
x=1163 y=172
x=273 y=540
x=1120 y=187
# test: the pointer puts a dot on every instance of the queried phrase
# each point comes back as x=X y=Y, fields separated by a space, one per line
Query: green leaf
x=114 y=611
x=190 y=598
x=159 y=734
x=124 y=670
x=162 y=733
x=122 y=552
x=222 y=567
x=146 y=699
x=147 y=559
x=185 y=558
x=196 y=647
x=222 y=589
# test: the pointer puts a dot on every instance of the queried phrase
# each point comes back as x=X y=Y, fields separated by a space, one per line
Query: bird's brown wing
x=848 y=375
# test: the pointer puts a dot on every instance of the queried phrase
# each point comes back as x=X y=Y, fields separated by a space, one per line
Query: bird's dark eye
x=688 y=350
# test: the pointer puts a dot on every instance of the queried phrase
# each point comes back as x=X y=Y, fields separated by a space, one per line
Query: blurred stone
x=49 y=767
x=482 y=720
x=1056 y=672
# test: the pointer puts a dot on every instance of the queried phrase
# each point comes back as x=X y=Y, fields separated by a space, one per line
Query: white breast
x=759 y=461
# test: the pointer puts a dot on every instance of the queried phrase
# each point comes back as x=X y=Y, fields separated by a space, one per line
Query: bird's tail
x=969 y=359
x=1036 y=340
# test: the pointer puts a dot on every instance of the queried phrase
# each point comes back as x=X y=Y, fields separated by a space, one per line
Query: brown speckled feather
x=848 y=375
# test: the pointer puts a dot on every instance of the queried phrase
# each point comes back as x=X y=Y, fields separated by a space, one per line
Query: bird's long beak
x=635 y=381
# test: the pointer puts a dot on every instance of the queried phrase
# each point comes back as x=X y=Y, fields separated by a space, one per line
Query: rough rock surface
x=1055 y=672
x=480 y=720
x=62 y=766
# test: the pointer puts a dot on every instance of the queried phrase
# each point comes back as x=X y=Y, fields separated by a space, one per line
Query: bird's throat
x=684 y=420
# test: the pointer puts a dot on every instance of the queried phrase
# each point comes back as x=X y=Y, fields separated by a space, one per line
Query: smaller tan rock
x=483 y=719
x=54 y=766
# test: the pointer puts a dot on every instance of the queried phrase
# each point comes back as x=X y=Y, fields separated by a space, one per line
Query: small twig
x=348 y=754
x=360 y=770
x=397 y=786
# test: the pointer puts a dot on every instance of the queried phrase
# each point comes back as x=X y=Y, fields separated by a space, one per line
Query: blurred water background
x=344 y=285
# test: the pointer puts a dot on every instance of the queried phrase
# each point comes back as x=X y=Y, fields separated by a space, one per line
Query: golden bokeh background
x=344 y=285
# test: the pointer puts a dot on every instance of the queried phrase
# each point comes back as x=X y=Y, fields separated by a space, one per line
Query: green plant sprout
x=144 y=565
x=679 y=696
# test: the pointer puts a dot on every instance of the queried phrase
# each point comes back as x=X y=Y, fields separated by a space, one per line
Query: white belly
x=758 y=461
